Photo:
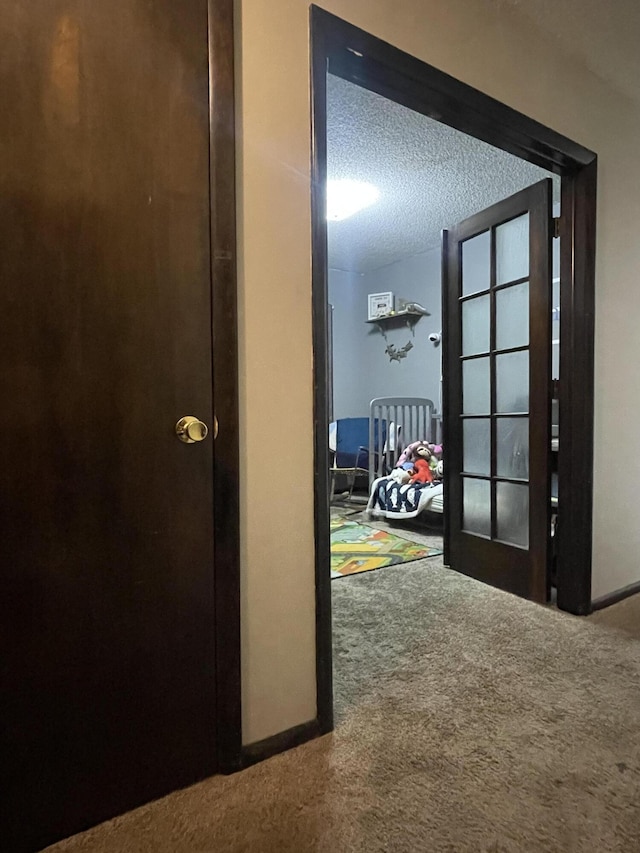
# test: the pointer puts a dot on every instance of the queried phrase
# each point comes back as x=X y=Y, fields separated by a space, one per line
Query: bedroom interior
x=416 y=177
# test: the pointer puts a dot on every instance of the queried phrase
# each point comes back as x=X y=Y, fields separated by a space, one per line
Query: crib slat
x=400 y=422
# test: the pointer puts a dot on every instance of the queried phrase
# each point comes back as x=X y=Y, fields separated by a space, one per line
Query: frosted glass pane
x=512 y=446
x=475 y=325
x=555 y=358
x=512 y=250
x=512 y=382
x=512 y=316
x=476 y=396
x=476 y=443
x=555 y=316
x=476 y=506
x=512 y=513
x=476 y=263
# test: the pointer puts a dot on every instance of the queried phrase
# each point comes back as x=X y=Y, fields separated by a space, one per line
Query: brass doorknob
x=190 y=429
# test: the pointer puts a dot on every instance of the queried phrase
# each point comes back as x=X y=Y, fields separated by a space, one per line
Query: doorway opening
x=412 y=151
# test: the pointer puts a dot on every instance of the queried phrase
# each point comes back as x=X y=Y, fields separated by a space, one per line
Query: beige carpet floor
x=469 y=721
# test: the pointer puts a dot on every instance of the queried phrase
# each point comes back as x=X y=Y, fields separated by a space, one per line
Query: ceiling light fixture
x=346 y=197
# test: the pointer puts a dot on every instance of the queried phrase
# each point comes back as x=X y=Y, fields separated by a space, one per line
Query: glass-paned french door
x=497 y=275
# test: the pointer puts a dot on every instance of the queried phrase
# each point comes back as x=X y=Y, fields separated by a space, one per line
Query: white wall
x=361 y=368
x=347 y=295
x=490 y=46
x=417 y=279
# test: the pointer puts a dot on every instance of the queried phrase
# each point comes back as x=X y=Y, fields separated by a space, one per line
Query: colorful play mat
x=359 y=548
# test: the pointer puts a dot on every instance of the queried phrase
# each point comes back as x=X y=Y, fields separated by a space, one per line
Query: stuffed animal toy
x=400 y=475
x=406 y=464
x=435 y=462
x=407 y=457
x=422 y=451
x=422 y=472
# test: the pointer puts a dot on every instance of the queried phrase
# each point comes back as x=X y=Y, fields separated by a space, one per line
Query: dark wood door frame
x=226 y=496
x=357 y=56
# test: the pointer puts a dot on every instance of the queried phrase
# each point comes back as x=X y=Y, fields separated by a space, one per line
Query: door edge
x=224 y=322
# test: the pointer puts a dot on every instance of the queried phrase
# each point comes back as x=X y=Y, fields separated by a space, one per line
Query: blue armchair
x=349 y=449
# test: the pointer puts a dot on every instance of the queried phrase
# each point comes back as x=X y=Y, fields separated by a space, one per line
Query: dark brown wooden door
x=497 y=275
x=107 y=525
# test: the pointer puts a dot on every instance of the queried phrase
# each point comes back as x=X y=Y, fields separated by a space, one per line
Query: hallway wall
x=488 y=44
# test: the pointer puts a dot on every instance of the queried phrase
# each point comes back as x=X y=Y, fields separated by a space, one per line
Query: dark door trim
x=361 y=58
x=576 y=396
x=226 y=498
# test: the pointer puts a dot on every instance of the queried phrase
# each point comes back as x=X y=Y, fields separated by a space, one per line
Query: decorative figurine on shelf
x=416 y=308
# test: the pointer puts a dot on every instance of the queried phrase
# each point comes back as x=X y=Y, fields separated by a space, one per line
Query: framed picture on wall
x=380 y=304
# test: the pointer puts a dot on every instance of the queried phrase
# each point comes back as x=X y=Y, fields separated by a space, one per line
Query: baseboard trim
x=615 y=597
x=253 y=753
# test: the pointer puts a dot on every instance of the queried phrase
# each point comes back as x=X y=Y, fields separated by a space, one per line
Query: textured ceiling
x=430 y=176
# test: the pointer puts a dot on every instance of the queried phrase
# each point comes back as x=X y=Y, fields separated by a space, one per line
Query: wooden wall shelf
x=400 y=318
